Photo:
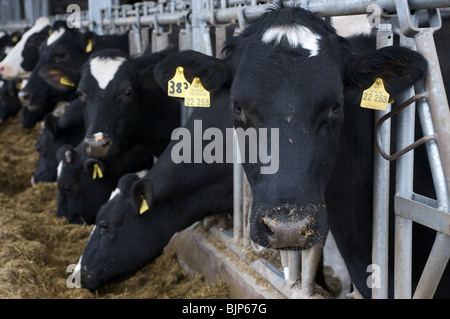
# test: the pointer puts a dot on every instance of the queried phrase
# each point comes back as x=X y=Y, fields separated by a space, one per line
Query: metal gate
x=194 y=20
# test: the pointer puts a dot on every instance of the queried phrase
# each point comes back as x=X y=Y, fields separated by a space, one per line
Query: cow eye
x=237 y=108
x=102 y=226
x=337 y=106
x=81 y=96
x=128 y=92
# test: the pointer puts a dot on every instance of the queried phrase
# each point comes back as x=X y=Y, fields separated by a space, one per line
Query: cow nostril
x=105 y=143
x=2 y=69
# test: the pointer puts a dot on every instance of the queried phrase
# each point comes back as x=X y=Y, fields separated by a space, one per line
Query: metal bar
x=380 y=241
x=434 y=268
x=437 y=98
x=404 y=187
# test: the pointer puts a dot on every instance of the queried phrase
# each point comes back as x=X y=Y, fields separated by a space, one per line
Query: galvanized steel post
x=380 y=241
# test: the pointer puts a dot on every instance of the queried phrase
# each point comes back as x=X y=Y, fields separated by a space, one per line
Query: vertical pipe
x=380 y=241
x=437 y=98
x=404 y=188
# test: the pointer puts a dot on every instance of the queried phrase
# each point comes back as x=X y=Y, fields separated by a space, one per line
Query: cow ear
x=60 y=77
x=147 y=80
x=142 y=194
x=398 y=67
x=211 y=71
x=51 y=124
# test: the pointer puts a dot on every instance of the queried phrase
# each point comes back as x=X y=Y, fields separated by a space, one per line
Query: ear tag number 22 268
x=375 y=97
x=178 y=84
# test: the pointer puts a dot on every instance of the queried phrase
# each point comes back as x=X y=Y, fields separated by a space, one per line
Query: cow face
x=9 y=103
x=65 y=47
x=81 y=191
x=108 y=88
x=120 y=228
x=21 y=60
x=289 y=70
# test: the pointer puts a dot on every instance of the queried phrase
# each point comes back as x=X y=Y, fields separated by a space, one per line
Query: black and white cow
x=124 y=240
x=21 y=60
x=289 y=70
x=85 y=184
x=9 y=102
x=122 y=102
x=8 y=42
x=68 y=48
x=68 y=129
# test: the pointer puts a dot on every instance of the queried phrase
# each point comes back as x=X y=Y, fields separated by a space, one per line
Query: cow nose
x=2 y=69
x=25 y=97
x=97 y=147
x=289 y=234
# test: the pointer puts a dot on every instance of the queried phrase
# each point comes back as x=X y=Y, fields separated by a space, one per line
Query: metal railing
x=195 y=18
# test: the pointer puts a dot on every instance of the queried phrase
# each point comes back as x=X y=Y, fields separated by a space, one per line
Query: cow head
x=9 y=103
x=65 y=47
x=120 y=228
x=289 y=70
x=110 y=87
x=21 y=60
x=79 y=194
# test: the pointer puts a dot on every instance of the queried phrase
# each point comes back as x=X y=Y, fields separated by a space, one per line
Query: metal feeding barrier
x=153 y=22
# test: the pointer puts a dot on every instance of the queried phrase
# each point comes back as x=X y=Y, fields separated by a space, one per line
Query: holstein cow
x=21 y=60
x=290 y=70
x=68 y=129
x=7 y=43
x=122 y=102
x=85 y=184
x=68 y=48
x=127 y=236
x=9 y=103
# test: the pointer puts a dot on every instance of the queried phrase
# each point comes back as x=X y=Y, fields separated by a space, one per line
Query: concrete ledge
x=198 y=252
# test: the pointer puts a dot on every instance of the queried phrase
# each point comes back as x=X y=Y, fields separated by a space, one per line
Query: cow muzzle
x=293 y=228
x=98 y=146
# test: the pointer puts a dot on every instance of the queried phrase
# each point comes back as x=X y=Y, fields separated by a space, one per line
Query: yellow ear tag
x=66 y=81
x=144 y=206
x=375 y=97
x=178 y=85
x=97 y=172
x=196 y=95
x=14 y=39
x=89 y=46
x=19 y=86
x=50 y=32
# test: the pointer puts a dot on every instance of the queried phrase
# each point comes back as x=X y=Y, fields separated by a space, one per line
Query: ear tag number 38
x=178 y=84
x=196 y=95
x=375 y=97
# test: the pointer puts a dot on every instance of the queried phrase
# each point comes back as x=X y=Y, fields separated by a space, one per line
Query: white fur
x=59 y=169
x=296 y=35
x=55 y=36
x=104 y=69
x=114 y=193
x=13 y=61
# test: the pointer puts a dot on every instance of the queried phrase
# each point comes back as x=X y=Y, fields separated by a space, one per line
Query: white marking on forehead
x=105 y=69
x=55 y=36
x=59 y=169
x=114 y=193
x=295 y=35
